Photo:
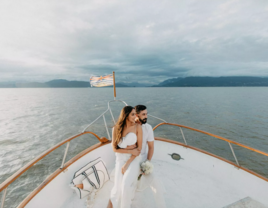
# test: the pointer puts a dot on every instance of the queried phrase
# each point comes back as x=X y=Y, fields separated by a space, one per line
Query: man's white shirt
x=147 y=136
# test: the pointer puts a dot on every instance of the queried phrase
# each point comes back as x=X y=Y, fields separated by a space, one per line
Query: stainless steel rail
x=112 y=115
x=65 y=154
x=112 y=101
x=3 y=198
x=165 y=123
x=183 y=136
x=95 y=120
x=157 y=118
x=106 y=128
x=216 y=136
x=108 y=109
x=233 y=153
x=68 y=144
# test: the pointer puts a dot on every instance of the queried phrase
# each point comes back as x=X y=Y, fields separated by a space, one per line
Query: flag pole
x=114 y=87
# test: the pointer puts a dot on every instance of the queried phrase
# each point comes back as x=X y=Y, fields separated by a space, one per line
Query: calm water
x=33 y=120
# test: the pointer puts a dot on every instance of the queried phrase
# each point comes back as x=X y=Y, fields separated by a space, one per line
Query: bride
x=127 y=143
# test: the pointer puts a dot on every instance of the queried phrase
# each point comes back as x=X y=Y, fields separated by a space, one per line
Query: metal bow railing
x=11 y=179
x=6 y=183
x=230 y=142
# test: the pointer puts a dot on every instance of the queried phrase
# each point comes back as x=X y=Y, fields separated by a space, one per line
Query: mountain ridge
x=55 y=83
x=194 y=81
x=230 y=81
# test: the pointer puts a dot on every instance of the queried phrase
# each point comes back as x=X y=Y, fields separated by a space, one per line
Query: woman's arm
x=139 y=136
x=134 y=151
x=128 y=150
x=139 y=141
x=125 y=167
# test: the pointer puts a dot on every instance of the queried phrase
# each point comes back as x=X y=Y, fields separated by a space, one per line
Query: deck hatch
x=176 y=156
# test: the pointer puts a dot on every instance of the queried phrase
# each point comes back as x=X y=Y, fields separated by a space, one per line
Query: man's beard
x=144 y=121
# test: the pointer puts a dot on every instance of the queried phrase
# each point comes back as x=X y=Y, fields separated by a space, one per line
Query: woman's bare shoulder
x=138 y=127
x=115 y=129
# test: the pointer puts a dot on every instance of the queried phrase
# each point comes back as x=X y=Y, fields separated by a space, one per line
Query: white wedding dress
x=125 y=185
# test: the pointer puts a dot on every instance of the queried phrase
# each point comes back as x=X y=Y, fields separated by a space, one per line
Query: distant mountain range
x=214 y=82
x=57 y=83
x=174 y=82
x=135 y=84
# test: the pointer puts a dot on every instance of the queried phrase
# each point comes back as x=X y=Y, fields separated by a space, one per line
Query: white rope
x=91 y=198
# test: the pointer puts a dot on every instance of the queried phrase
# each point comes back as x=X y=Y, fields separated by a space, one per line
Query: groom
x=148 y=139
x=147 y=131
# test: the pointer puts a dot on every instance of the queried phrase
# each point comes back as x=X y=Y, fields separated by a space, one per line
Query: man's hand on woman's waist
x=135 y=152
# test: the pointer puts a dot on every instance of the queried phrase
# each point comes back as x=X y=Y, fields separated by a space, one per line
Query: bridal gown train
x=125 y=185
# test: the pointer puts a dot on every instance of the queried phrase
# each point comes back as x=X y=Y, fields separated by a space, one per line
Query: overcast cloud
x=141 y=40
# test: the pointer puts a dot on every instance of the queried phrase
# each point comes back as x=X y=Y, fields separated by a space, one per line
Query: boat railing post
x=65 y=154
x=112 y=115
x=106 y=128
x=183 y=136
x=3 y=198
x=233 y=153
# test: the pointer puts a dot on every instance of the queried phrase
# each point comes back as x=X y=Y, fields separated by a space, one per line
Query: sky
x=144 y=41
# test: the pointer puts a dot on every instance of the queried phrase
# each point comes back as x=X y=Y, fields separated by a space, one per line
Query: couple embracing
x=131 y=135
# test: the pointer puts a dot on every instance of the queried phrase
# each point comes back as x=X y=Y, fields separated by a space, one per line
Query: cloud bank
x=147 y=41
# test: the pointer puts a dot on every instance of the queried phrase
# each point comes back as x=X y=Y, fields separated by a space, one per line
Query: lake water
x=33 y=120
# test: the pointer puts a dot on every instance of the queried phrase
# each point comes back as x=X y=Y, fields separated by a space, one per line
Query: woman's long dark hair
x=119 y=126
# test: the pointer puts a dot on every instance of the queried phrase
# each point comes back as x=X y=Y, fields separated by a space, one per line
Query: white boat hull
x=199 y=180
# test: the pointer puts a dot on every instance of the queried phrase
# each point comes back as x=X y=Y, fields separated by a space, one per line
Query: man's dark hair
x=140 y=108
